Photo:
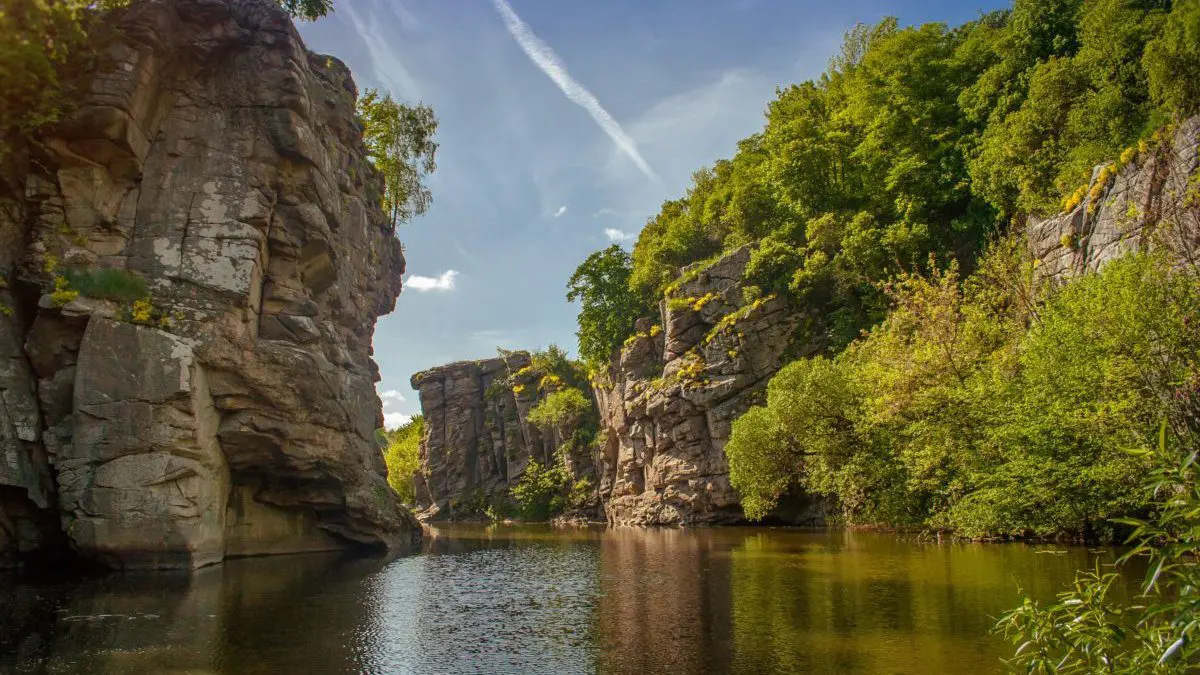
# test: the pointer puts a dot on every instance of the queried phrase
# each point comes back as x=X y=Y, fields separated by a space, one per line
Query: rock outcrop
x=193 y=263
x=670 y=397
x=479 y=440
x=1150 y=199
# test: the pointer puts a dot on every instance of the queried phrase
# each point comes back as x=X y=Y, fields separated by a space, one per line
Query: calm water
x=535 y=600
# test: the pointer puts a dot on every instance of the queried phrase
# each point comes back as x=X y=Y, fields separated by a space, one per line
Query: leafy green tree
x=608 y=307
x=1172 y=61
x=399 y=141
x=309 y=10
x=402 y=456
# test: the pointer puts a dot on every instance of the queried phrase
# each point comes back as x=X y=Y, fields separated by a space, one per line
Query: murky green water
x=536 y=600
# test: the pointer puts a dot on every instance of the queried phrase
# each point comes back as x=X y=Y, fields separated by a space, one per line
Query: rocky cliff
x=193 y=263
x=668 y=400
x=479 y=438
x=1147 y=199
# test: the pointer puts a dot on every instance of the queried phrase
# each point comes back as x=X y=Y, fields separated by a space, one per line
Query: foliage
x=1092 y=628
x=560 y=410
x=1172 y=61
x=915 y=145
x=117 y=285
x=402 y=456
x=983 y=406
x=399 y=142
x=309 y=10
x=608 y=308
x=540 y=493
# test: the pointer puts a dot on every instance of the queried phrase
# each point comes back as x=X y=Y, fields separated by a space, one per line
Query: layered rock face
x=1151 y=201
x=668 y=401
x=478 y=438
x=193 y=267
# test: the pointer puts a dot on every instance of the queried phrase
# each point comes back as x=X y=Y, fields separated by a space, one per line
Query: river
x=531 y=599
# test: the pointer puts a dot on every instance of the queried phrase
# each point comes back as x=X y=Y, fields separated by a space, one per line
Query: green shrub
x=560 y=409
x=402 y=456
x=542 y=492
x=117 y=285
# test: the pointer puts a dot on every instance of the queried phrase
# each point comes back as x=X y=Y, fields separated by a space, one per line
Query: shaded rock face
x=670 y=397
x=478 y=439
x=1152 y=202
x=232 y=410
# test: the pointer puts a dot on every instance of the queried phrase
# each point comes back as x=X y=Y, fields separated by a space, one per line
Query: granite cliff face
x=1151 y=200
x=479 y=439
x=192 y=269
x=670 y=397
x=665 y=409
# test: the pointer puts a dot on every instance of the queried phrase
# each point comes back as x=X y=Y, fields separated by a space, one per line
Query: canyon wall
x=669 y=398
x=1149 y=199
x=479 y=439
x=192 y=265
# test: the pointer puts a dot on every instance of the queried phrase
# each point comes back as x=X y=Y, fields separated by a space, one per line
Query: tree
x=402 y=456
x=608 y=308
x=308 y=10
x=1173 y=60
x=399 y=141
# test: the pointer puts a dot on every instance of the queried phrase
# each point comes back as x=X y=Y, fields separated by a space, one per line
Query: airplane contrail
x=545 y=59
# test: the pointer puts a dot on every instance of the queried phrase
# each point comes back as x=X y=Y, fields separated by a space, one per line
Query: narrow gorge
x=191 y=266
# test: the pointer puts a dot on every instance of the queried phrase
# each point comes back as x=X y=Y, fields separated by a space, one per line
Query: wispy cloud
x=604 y=212
x=442 y=282
x=560 y=212
x=545 y=59
x=395 y=420
x=388 y=67
x=616 y=235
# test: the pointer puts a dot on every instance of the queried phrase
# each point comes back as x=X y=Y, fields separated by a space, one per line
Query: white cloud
x=604 y=212
x=559 y=213
x=395 y=420
x=442 y=282
x=545 y=59
x=392 y=395
x=616 y=235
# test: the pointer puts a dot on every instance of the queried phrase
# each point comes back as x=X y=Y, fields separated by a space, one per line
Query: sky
x=563 y=126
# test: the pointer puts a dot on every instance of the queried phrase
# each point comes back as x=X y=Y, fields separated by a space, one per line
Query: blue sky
x=530 y=181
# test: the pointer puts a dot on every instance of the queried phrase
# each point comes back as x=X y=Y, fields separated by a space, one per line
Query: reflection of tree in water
x=847 y=602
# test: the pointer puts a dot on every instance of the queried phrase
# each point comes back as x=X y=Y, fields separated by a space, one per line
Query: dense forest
x=955 y=389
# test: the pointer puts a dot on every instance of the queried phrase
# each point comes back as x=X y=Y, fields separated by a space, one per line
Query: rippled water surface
x=536 y=600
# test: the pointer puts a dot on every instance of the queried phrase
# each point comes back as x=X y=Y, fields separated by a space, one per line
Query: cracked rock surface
x=227 y=407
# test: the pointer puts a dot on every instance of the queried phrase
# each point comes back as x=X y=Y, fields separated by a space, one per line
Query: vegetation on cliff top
x=915 y=146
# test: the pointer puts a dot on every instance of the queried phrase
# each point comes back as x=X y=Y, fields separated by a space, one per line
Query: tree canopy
x=399 y=140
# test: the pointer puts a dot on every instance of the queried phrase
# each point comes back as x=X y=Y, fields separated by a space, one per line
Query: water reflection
x=537 y=600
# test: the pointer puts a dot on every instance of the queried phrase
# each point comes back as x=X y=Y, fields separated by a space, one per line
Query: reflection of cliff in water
x=208 y=621
x=665 y=601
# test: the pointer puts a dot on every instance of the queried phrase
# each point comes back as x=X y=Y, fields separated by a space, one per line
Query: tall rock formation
x=670 y=397
x=1149 y=199
x=192 y=269
x=479 y=440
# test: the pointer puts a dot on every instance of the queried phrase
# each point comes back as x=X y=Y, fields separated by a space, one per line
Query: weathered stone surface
x=231 y=412
x=478 y=439
x=1151 y=202
x=669 y=398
